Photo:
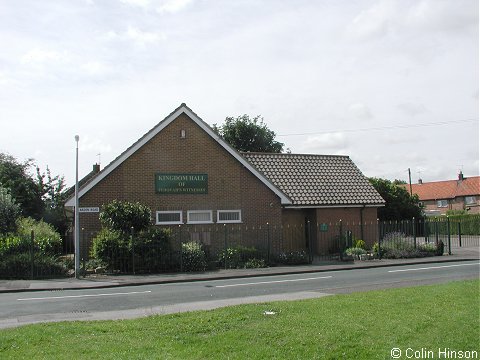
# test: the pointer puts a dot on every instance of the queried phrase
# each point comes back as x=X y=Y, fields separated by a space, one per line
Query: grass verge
x=354 y=326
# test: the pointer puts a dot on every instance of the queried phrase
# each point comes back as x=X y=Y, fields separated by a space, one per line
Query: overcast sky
x=394 y=84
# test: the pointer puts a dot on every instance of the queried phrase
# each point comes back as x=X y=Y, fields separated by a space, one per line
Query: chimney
x=460 y=176
x=96 y=168
x=420 y=181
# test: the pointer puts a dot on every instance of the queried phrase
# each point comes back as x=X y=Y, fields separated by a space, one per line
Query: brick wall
x=230 y=185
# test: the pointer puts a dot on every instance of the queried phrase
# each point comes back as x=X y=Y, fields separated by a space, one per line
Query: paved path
x=105 y=281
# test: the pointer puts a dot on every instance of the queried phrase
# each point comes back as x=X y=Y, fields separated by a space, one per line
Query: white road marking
x=272 y=282
x=433 y=267
x=81 y=296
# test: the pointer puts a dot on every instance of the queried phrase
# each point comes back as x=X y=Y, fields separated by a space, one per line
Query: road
x=129 y=302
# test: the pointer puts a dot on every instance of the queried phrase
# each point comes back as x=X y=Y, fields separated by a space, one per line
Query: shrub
x=440 y=248
x=9 y=212
x=237 y=257
x=293 y=258
x=360 y=244
x=111 y=247
x=19 y=265
x=47 y=240
x=193 y=257
x=255 y=264
x=123 y=216
x=152 y=250
x=355 y=251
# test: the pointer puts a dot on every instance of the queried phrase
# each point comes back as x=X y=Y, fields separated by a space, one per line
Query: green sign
x=324 y=227
x=181 y=183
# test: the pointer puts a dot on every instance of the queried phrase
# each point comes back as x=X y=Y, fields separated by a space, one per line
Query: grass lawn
x=354 y=326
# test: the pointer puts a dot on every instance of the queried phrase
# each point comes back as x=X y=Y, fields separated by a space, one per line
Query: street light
x=77 y=217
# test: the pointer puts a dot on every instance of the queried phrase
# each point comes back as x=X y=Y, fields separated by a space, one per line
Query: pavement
x=108 y=281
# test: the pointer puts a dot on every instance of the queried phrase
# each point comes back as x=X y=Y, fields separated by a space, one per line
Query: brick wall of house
x=230 y=185
x=458 y=203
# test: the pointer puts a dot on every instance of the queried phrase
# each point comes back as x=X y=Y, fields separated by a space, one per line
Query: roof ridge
x=291 y=154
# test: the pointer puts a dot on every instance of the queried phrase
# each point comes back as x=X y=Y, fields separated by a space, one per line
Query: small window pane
x=169 y=217
x=200 y=216
x=470 y=200
x=229 y=216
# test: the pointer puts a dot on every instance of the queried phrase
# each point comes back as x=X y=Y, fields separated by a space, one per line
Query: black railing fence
x=212 y=246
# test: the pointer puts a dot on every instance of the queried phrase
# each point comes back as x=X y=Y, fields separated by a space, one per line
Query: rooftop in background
x=317 y=180
x=449 y=189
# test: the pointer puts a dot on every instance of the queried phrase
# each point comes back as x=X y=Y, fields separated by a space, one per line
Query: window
x=470 y=200
x=169 y=217
x=199 y=217
x=442 y=203
x=229 y=216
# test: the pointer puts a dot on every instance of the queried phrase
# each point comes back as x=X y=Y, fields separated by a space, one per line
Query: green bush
x=237 y=257
x=193 y=257
x=440 y=248
x=19 y=266
x=9 y=212
x=360 y=244
x=14 y=244
x=355 y=251
x=47 y=240
x=111 y=247
x=293 y=258
x=255 y=264
x=123 y=216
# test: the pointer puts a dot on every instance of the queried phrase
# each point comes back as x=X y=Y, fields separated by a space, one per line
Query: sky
x=394 y=84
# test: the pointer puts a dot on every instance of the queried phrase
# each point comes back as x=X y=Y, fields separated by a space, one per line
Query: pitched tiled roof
x=317 y=180
x=449 y=189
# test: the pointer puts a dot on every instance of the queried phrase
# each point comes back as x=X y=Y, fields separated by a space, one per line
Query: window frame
x=472 y=198
x=189 y=212
x=441 y=202
x=238 y=211
x=180 y=222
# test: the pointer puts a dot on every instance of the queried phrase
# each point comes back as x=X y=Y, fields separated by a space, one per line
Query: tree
x=123 y=216
x=399 y=204
x=249 y=135
x=23 y=188
x=9 y=212
x=54 y=194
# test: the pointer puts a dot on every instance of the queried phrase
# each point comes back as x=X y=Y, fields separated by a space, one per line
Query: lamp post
x=77 y=217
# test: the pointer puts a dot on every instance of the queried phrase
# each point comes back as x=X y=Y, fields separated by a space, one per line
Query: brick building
x=189 y=176
x=438 y=197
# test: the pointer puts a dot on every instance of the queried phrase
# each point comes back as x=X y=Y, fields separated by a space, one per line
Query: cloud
x=136 y=35
x=373 y=22
x=332 y=143
x=95 y=68
x=412 y=109
x=137 y=3
x=361 y=111
x=173 y=6
x=40 y=56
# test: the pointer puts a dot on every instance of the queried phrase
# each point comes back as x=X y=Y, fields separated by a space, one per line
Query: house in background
x=438 y=197
x=188 y=175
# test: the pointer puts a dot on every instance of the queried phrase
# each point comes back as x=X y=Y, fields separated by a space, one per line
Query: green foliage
x=469 y=224
x=9 y=212
x=399 y=205
x=23 y=188
x=111 y=247
x=237 y=257
x=20 y=266
x=124 y=215
x=193 y=257
x=355 y=251
x=255 y=264
x=360 y=244
x=249 y=135
x=397 y=245
x=47 y=239
x=293 y=257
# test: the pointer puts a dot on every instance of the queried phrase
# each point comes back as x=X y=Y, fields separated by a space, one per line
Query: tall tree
x=9 y=212
x=249 y=135
x=22 y=186
x=399 y=205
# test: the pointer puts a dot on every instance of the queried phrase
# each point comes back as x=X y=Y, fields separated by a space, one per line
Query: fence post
x=268 y=243
x=380 y=235
x=449 y=237
x=133 y=250
x=414 y=233
x=225 y=245
x=84 y=272
x=459 y=234
x=436 y=232
x=340 y=239
x=181 y=248
x=32 y=253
